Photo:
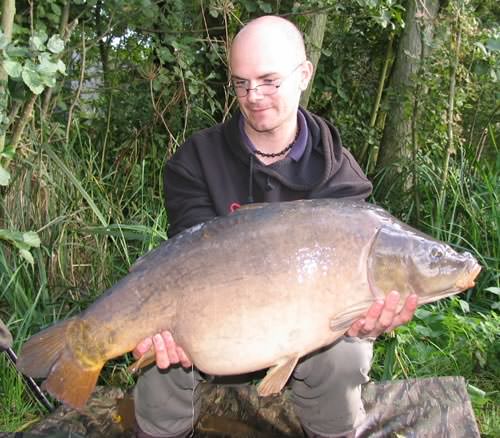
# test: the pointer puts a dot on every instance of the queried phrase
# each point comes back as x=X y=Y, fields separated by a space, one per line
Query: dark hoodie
x=214 y=172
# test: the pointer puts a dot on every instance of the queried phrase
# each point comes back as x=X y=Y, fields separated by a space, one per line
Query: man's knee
x=167 y=402
x=349 y=358
x=326 y=387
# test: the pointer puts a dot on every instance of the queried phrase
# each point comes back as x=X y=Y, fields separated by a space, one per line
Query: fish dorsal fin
x=139 y=263
x=277 y=376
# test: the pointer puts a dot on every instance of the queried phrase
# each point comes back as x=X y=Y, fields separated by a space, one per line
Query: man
x=271 y=150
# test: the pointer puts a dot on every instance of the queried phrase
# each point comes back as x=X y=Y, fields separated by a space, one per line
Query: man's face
x=256 y=62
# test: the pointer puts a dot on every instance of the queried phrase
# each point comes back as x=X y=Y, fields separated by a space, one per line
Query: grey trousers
x=326 y=392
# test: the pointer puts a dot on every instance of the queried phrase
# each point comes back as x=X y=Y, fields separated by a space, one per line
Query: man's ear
x=306 y=72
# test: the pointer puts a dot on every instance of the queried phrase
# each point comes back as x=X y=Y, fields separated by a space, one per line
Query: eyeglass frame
x=276 y=83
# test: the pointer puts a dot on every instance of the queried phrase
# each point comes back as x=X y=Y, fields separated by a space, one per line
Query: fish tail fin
x=48 y=354
x=39 y=353
x=70 y=382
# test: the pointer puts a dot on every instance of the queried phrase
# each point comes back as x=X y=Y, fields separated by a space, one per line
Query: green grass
x=458 y=336
x=93 y=225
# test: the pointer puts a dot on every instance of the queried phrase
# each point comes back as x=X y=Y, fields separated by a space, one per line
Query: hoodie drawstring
x=250 y=181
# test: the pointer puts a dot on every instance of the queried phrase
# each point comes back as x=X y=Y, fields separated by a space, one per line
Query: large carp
x=259 y=288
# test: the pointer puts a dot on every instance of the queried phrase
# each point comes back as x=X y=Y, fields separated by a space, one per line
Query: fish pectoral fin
x=277 y=376
x=146 y=359
x=71 y=382
x=341 y=323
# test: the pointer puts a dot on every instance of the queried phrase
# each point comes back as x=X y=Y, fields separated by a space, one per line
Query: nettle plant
x=37 y=66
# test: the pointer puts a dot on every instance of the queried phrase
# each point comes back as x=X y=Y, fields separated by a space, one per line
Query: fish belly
x=245 y=333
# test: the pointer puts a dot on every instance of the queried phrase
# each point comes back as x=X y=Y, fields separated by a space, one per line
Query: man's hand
x=381 y=317
x=166 y=350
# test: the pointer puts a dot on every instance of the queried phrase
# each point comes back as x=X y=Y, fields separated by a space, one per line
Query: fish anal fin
x=70 y=382
x=41 y=351
x=277 y=376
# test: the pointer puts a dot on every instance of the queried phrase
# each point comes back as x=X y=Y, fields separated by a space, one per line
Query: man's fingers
x=408 y=309
x=162 y=359
x=372 y=316
x=356 y=328
x=142 y=347
x=406 y=313
x=185 y=362
x=388 y=313
x=171 y=347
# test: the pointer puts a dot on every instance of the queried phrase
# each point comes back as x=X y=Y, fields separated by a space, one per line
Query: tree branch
x=79 y=89
x=23 y=121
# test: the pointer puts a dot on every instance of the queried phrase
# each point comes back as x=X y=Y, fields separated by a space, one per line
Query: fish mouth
x=466 y=281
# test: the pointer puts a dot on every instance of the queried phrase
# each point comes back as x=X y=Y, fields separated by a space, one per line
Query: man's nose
x=254 y=94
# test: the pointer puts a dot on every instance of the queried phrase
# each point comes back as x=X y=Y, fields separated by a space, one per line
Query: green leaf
x=165 y=55
x=49 y=81
x=8 y=235
x=17 y=52
x=421 y=313
x=213 y=12
x=481 y=47
x=249 y=6
x=4 y=42
x=37 y=41
x=53 y=17
x=493 y=290
x=493 y=44
x=56 y=9
x=4 y=177
x=46 y=66
x=475 y=391
x=26 y=255
x=61 y=67
x=424 y=331
x=31 y=238
x=32 y=79
x=265 y=7
x=55 y=44
x=464 y=305
x=8 y=152
x=13 y=68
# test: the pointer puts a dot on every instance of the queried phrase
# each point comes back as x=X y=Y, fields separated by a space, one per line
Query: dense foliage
x=95 y=96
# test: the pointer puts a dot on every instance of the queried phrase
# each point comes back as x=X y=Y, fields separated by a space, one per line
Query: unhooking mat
x=427 y=407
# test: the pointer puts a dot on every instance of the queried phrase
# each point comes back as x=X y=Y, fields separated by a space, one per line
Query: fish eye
x=436 y=252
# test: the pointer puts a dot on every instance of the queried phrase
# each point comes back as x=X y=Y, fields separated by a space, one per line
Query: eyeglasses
x=270 y=86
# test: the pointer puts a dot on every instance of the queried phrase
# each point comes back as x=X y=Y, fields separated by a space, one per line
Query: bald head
x=269 y=70
x=268 y=36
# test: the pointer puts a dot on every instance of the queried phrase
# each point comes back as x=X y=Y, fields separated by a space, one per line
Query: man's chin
x=260 y=126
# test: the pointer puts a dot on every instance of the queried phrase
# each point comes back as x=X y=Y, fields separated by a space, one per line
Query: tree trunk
x=103 y=46
x=396 y=144
x=315 y=42
x=388 y=59
x=8 y=13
